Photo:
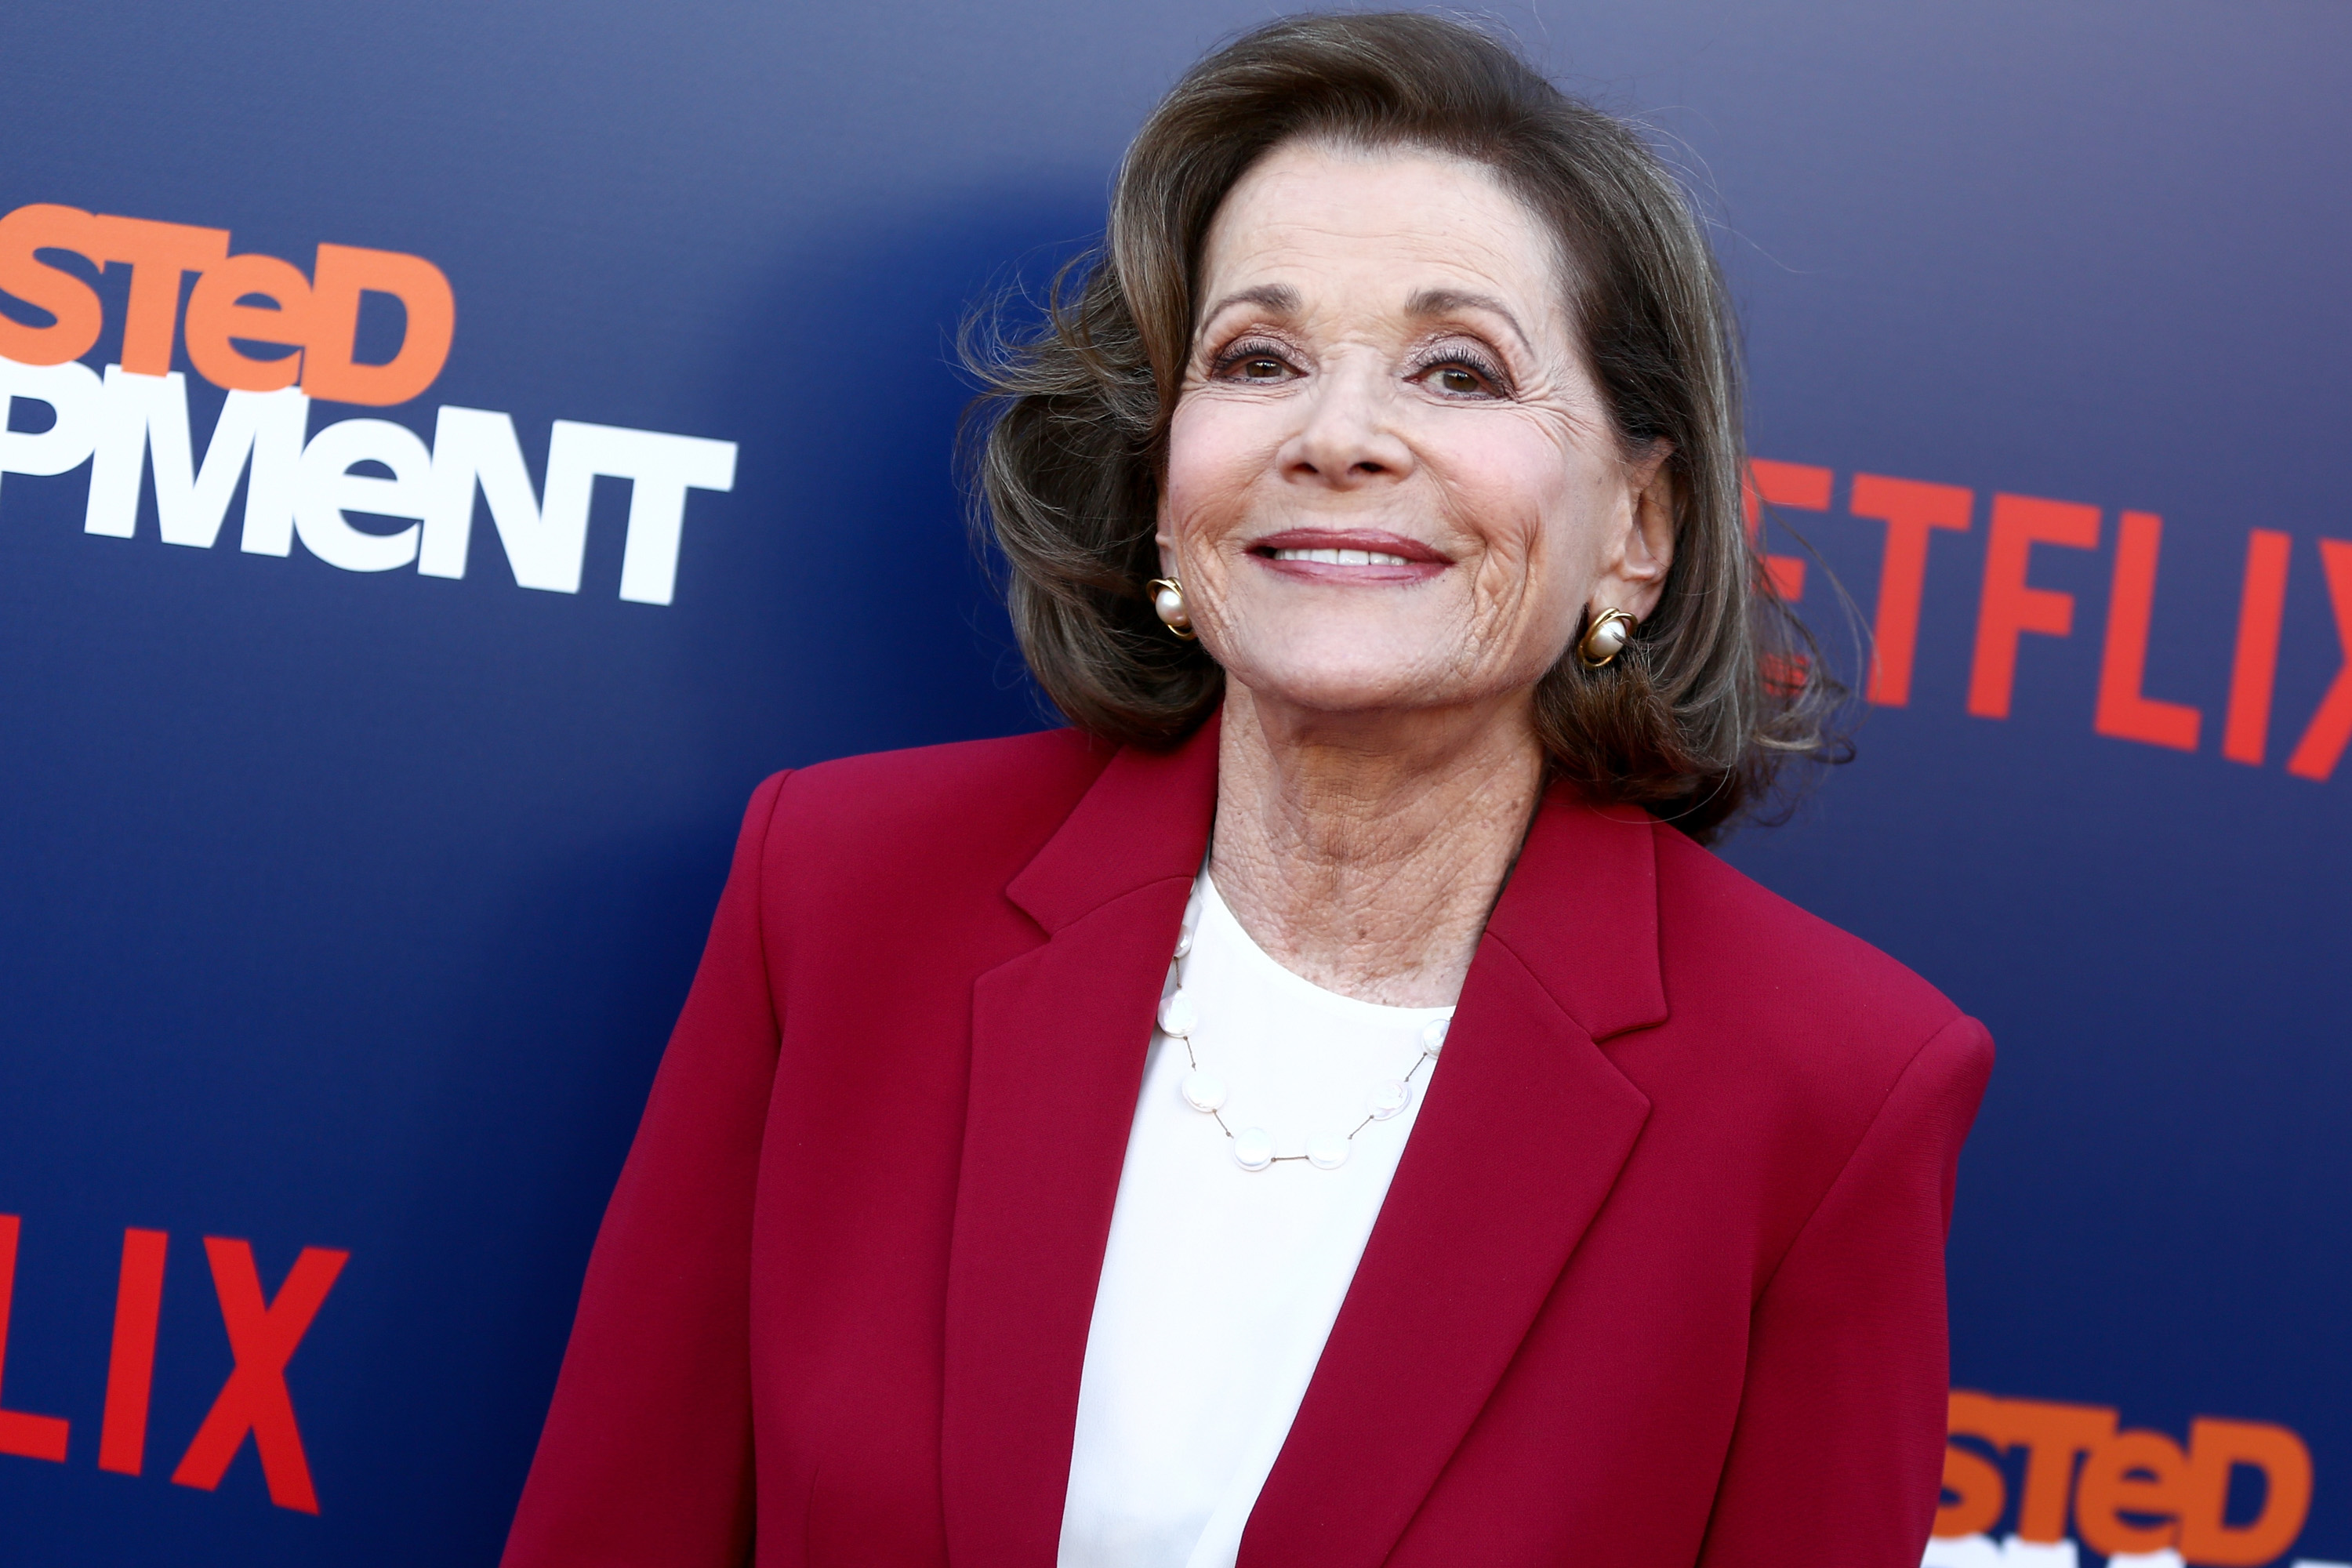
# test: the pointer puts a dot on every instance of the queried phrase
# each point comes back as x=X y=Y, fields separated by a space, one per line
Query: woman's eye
x=1253 y=360
x=1454 y=377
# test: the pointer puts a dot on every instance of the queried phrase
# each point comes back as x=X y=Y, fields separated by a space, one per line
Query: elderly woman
x=1324 y=1106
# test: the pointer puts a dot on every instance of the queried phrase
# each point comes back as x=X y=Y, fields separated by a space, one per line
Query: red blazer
x=1659 y=1282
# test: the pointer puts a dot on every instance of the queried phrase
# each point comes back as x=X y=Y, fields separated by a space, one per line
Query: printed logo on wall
x=263 y=1331
x=2235 y=1497
x=128 y=421
x=133 y=418
x=2008 y=606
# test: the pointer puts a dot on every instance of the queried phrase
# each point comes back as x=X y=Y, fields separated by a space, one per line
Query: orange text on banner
x=249 y=299
x=2135 y=1490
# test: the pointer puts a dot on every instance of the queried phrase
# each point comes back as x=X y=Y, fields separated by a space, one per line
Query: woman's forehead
x=1343 y=226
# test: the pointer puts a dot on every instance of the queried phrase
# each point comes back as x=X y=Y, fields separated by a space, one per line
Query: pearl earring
x=1605 y=638
x=1168 y=602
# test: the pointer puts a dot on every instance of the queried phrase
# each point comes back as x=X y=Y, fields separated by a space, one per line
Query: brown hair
x=1720 y=687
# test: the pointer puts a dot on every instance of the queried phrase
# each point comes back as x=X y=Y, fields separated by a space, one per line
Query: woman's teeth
x=1343 y=557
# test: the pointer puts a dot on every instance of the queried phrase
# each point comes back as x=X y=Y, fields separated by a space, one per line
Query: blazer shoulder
x=1788 y=971
x=1791 y=1040
x=930 y=809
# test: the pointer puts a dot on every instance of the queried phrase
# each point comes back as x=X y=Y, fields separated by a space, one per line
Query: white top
x=1221 y=1284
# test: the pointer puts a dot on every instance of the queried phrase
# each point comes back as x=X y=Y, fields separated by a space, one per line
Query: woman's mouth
x=1343 y=557
x=1353 y=555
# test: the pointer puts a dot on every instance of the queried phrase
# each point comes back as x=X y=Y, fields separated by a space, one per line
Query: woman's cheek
x=1509 y=467
x=1558 y=502
x=1200 y=512
x=1188 y=521
x=1519 y=531
x=1535 y=568
x=1212 y=439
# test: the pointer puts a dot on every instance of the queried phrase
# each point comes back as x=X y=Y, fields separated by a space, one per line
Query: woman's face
x=1392 y=481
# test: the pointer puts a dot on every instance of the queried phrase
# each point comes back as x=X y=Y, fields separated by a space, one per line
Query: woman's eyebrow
x=1279 y=298
x=1447 y=302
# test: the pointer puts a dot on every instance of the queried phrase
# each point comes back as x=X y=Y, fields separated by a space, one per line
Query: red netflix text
x=263 y=1333
x=2009 y=607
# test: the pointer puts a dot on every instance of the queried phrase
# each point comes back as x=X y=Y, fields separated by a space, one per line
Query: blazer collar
x=1524 y=1131
x=1059 y=1040
x=1580 y=911
x=1146 y=817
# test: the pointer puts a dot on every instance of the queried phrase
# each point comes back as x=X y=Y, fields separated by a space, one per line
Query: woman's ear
x=1634 y=573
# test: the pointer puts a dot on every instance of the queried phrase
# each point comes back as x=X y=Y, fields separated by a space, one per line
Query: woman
x=1500 y=1177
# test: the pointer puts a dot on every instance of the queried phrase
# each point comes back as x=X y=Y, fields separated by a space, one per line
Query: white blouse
x=1221 y=1284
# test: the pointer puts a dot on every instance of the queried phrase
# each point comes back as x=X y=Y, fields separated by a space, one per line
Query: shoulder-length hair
x=1720 y=688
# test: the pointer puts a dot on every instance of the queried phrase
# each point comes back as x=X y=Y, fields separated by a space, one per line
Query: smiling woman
x=1053 y=1162
x=1538 y=260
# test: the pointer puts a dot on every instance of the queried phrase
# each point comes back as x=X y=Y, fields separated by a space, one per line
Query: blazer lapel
x=1525 y=1129
x=1059 y=1036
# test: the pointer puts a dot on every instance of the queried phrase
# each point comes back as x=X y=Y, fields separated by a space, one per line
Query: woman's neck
x=1364 y=853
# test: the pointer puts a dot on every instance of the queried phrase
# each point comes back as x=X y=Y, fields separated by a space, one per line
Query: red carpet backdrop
x=453 y=451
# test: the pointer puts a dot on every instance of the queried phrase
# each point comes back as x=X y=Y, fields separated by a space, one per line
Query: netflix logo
x=264 y=1331
x=2010 y=606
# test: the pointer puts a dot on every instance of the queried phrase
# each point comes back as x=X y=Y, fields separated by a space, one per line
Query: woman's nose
x=1349 y=436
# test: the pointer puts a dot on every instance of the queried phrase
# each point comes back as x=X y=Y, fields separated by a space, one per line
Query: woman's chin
x=1346 y=690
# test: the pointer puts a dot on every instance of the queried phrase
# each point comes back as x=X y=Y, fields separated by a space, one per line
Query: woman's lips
x=1321 y=555
x=1343 y=557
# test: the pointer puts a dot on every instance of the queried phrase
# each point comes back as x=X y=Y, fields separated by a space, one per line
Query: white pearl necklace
x=1253 y=1147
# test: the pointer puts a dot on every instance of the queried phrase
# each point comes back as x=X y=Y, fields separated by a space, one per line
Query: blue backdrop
x=348 y=911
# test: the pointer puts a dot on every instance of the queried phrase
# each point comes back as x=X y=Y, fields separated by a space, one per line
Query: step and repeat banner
x=452 y=452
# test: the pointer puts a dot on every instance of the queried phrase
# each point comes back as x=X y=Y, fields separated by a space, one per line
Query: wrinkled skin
x=1386 y=367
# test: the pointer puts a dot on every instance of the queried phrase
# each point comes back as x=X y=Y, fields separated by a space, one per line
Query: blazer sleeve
x=645 y=1459
x=1837 y=1456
